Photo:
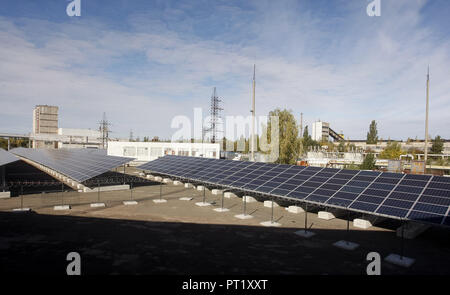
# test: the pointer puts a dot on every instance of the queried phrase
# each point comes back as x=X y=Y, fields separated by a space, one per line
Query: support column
x=160 y=200
x=98 y=204
x=345 y=244
x=305 y=232
x=270 y=223
x=222 y=209
x=244 y=215
x=203 y=203
x=397 y=259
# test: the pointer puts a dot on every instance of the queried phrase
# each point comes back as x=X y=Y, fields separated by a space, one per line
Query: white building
x=320 y=131
x=69 y=138
x=148 y=151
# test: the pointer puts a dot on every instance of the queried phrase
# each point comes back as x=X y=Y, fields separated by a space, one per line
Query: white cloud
x=344 y=70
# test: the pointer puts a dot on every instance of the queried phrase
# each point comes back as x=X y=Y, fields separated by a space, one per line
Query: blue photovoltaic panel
x=77 y=164
x=7 y=157
x=417 y=197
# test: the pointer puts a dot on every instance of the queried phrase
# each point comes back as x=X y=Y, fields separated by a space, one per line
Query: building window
x=142 y=152
x=129 y=151
x=155 y=152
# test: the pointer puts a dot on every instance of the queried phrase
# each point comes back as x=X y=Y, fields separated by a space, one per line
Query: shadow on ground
x=35 y=243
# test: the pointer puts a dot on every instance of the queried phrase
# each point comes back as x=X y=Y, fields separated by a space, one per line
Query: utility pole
x=252 y=158
x=426 y=121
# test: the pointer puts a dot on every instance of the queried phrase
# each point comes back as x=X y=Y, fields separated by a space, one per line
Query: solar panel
x=7 y=157
x=423 y=198
x=77 y=164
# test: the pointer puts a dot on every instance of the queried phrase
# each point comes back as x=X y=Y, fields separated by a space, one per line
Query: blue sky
x=145 y=62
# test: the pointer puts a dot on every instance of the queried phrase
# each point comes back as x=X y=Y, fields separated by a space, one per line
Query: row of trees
x=14 y=142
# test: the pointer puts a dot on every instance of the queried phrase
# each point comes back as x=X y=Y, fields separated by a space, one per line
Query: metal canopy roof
x=423 y=198
x=77 y=164
x=7 y=157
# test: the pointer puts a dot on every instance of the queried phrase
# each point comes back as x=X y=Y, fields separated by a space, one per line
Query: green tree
x=372 y=135
x=307 y=141
x=392 y=151
x=369 y=162
x=289 y=143
x=341 y=147
x=438 y=145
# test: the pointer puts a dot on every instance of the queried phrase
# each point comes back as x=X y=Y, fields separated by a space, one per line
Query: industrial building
x=148 y=151
x=45 y=121
x=321 y=131
x=47 y=134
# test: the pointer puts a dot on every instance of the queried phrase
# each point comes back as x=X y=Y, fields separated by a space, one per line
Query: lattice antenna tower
x=104 y=129
x=215 y=116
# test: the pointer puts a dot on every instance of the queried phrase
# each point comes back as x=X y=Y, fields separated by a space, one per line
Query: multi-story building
x=45 y=121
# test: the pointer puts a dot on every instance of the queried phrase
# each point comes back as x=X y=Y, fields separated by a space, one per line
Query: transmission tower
x=104 y=129
x=215 y=116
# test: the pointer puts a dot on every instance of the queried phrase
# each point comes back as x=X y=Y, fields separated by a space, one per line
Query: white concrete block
x=185 y=199
x=270 y=223
x=5 y=195
x=229 y=195
x=158 y=201
x=361 y=223
x=216 y=192
x=200 y=187
x=22 y=210
x=248 y=199
x=177 y=182
x=158 y=178
x=295 y=209
x=243 y=216
x=221 y=209
x=325 y=215
x=400 y=260
x=269 y=204
x=62 y=207
x=188 y=185
x=130 y=203
x=167 y=180
x=95 y=205
x=304 y=233
x=346 y=245
x=202 y=204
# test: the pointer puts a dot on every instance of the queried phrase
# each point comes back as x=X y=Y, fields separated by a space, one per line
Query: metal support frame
x=204 y=194
x=271 y=217
x=3 y=178
x=223 y=193
x=21 y=196
x=245 y=205
x=402 y=240
x=160 y=190
x=131 y=191
x=306 y=216
x=98 y=190
x=62 y=194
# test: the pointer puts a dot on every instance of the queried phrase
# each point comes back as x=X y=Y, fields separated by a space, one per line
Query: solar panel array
x=7 y=157
x=422 y=198
x=77 y=164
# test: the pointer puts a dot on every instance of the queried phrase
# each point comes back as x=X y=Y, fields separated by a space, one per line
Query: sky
x=145 y=62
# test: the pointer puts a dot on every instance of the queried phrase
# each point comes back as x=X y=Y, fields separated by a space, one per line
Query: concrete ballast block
x=248 y=199
x=5 y=195
x=269 y=204
x=216 y=191
x=325 y=215
x=295 y=209
x=229 y=195
x=361 y=223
